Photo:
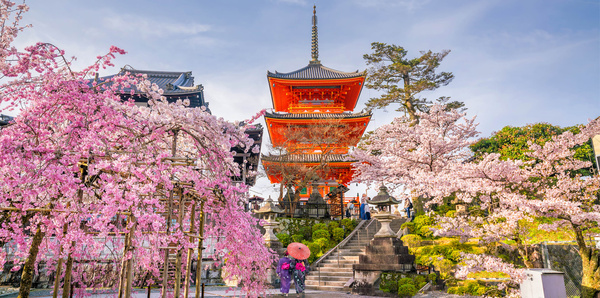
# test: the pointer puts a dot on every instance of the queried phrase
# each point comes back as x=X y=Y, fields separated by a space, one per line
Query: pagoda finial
x=314 y=48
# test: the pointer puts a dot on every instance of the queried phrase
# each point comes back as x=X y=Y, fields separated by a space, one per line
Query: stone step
x=341 y=261
x=328 y=288
x=333 y=270
x=325 y=283
x=347 y=266
x=315 y=274
x=328 y=278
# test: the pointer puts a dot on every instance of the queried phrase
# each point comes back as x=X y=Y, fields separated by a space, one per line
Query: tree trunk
x=67 y=283
x=590 y=281
x=590 y=261
x=27 y=276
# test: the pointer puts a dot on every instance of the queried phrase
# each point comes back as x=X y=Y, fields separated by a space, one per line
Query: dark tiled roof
x=306 y=158
x=5 y=119
x=316 y=71
x=316 y=115
x=175 y=84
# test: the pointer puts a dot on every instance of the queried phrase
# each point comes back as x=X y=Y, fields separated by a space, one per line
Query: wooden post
x=178 y=260
x=169 y=217
x=190 y=251
x=199 y=262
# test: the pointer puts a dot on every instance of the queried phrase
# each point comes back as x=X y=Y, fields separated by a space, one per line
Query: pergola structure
x=310 y=99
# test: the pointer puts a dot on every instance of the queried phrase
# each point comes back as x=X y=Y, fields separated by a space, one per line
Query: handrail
x=341 y=244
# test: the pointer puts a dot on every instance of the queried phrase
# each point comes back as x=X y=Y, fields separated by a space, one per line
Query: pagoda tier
x=339 y=168
x=331 y=132
x=315 y=89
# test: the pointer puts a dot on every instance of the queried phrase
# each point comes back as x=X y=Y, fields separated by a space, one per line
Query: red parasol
x=298 y=251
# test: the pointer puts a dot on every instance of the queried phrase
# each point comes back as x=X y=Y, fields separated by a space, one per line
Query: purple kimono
x=283 y=270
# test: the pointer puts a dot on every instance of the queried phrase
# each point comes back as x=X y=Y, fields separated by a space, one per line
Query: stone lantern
x=317 y=207
x=269 y=212
x=385 y=217
x=385 y=253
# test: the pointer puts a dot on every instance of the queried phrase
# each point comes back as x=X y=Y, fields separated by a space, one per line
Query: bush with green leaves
x=420 y=279
x=425 y=232
x=388 y=283
x=349 y=224
x=421 y=285
x=406 y=290
x=337 y=234
x=432 y=277
x=284 y=238
x=321 y=233
x=297 y=238
x=408 y=225
x=405 y=281
x=306 y=232
x=411 y=240
x=323 y=244
x=332 y=225
x=319 y=226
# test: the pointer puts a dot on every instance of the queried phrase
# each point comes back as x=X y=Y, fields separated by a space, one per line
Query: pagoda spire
x=314 y=48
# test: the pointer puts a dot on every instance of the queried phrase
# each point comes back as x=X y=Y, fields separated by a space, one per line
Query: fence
x=304 y=209
x=563 y=256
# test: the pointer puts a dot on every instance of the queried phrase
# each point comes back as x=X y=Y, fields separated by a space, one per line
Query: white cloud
x=149 y=28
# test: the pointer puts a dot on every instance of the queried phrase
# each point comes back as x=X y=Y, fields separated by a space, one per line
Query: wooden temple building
x=179 y=85
x=312 y=124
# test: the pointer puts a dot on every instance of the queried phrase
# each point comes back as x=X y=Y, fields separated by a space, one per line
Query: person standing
x=367 y=210
x=300 y=270
x=284 y=272
x=407 y=206
x=363 y=203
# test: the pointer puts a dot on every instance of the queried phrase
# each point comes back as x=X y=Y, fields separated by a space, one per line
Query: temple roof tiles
x=317 y=115
x=307 y=158
x=316 y=71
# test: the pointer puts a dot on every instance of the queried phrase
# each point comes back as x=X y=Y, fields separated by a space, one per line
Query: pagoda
x=317 y=103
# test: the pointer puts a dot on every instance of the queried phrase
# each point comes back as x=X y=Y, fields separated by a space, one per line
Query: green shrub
x=411 y=240
x=406 y=290
x=421 y=285
x=453 y=290
x=420 y=279
x=408 y=225
x=451 y=213
x=349 y=224
x=332 y=225
x=338 y=234
x=425 y=232
x=405 y=281
x=432 y=277
x=389 y=283
x=297 y=238
x=423 y=220
x=319 y=226
x=306 y=232
x=320 y=234
x=284 y=238
x=322 y=243
x=314 y=248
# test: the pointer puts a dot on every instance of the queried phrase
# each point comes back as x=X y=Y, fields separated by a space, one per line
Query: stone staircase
x=334 y=271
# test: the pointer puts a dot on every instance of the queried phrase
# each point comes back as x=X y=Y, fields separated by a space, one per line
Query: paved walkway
x=222 y=291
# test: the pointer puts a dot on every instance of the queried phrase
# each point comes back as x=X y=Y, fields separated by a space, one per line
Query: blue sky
x=515 y=61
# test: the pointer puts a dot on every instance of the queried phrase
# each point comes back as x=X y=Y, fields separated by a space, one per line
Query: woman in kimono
x=284 y=271
x=301 y=269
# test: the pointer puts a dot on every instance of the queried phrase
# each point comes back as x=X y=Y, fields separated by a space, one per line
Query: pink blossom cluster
x=431 y=159
x=84 y=169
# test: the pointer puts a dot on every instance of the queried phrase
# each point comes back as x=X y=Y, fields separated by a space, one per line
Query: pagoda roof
x=316 y=71
x=307 y=158
x=317 y=116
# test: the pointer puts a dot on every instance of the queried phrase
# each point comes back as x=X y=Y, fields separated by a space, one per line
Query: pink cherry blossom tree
x=86 y=178
x=431 y=159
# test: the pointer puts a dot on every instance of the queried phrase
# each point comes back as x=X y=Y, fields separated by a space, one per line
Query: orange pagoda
x=314 y=104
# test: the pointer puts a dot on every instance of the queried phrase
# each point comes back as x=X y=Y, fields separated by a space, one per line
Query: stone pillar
x=383 y=254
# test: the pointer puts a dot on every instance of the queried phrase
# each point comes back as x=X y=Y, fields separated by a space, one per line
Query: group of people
x=290 y=268
x=365 y=210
